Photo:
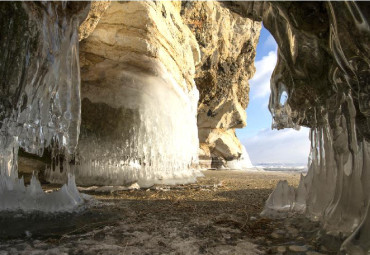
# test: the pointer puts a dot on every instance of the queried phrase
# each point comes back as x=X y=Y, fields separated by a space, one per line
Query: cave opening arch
x=268 y=148
x=323 y=65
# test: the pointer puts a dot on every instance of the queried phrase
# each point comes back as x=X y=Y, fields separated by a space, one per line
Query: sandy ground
x=217 y=215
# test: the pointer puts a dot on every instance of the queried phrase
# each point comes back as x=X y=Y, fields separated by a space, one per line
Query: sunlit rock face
x=40 y=96
x=227 y=44
x=97 y=9
x=323 y=66
x=138 y=98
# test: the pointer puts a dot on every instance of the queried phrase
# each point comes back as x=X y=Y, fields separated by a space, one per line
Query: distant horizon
x=282 y=163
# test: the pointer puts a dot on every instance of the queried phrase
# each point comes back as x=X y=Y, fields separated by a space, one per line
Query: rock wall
x=97 y=9
x=138 y=97
x=217 y=52
x=227 y=43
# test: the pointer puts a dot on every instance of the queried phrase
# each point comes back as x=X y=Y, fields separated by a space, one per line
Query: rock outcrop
x=154 y=39
x=138 y=97
x=227 y=43
x=97 y=8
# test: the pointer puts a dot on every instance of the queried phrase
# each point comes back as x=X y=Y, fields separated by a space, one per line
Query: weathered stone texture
x=227 y=43
x=144 y=35
x=97 y=9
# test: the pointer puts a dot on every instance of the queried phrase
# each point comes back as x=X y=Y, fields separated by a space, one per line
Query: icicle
x=359 y=242
x=153 y=136
x=280 y=201
x=44 y=91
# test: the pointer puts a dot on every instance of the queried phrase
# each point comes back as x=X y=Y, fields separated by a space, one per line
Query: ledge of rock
x=227 y=43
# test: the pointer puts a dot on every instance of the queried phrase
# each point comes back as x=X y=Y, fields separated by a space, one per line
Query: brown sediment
x=246 y=191
x=217 y=215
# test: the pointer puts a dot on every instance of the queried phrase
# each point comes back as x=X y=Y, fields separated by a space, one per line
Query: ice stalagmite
x=40 y=96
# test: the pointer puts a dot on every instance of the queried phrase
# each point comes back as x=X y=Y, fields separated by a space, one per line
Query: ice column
x=336 y=188
x=152 y=137
x=40 y=97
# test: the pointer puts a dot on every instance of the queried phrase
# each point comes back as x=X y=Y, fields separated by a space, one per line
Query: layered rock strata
x=223 y=65
x=138 y=98
x=227 y=43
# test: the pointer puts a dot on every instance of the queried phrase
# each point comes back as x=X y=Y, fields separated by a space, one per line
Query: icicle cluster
x=40 y=98
x=153 y=137
x=336 y=189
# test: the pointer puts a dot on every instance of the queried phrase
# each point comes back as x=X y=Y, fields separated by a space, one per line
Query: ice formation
x=158 y=143
x=336 y=189
x=242 y=163
x=41 y=105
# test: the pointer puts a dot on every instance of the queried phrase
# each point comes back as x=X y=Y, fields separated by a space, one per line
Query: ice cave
x=114 y=112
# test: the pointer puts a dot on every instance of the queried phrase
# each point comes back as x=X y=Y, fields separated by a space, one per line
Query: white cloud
x=283 y=146
x=260 y=83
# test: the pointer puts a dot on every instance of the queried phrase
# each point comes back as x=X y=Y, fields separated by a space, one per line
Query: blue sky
x=263 y=144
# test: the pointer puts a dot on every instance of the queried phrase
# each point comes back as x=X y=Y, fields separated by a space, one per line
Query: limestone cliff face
x=227 y=43
x=189 y=46
x=143 y=35
x=138 y=95
x=97 y=9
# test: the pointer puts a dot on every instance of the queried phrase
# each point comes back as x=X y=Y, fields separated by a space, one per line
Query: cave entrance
x=285 y=149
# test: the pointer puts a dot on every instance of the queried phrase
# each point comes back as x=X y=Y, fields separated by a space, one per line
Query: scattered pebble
x=28 y=233
x=260 y=239
x=300 y=238
x=275 y=235
x=281 y=249
x=293 y=231
x=298 y=248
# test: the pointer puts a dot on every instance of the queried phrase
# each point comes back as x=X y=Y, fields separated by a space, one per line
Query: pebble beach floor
x=217 y=215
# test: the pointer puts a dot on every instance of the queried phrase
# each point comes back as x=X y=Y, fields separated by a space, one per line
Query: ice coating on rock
x=278 y=106
x=45 y=101
x=161 y=145
x=323 y=67
x=40 y=99
x=242 y=163
x=280 y=201
x=16 y=196
x=358 y=242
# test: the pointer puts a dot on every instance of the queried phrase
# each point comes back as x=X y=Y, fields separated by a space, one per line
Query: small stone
x=293 y=231
x=260 y=239
x=298 y=248
x=28 y=234
x=275 y=235
x=281 y=249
